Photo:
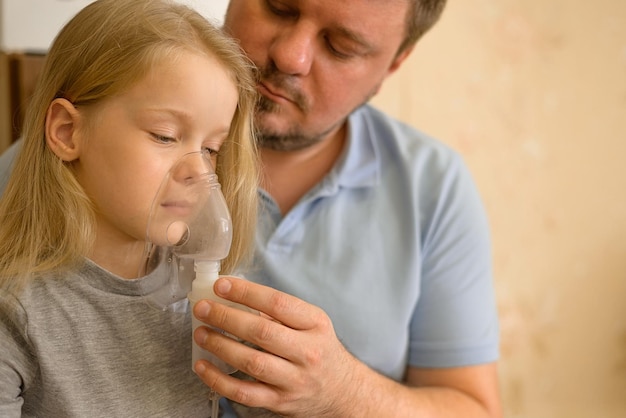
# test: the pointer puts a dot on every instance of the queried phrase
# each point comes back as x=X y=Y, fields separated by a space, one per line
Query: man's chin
x=285 y=143
x=273 y=124
x=284 y=139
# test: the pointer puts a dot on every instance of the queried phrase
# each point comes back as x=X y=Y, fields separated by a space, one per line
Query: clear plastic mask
x=189 y=220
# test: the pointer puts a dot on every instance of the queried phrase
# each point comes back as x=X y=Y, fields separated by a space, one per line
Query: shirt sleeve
x=15 y=357
x=455 y=322
x=6 y=164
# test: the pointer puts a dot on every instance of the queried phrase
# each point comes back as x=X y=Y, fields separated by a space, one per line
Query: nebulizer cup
x=189 y=229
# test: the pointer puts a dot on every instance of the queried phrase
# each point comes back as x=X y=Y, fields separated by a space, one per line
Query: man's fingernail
x=200 y=335
x=223 y=286
x=199 y=368
x=202 y=309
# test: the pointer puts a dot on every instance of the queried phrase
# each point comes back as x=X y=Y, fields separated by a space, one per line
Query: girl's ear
x=61 y=134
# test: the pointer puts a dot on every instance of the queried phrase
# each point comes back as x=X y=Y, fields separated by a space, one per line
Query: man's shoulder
x=8 y=155
x=400 y=139
x=6 y=163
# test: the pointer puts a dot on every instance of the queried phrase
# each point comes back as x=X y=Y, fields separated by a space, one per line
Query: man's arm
x=476 y=387
x=304 y=370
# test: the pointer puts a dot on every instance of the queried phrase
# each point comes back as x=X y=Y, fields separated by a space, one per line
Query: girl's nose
x=191 y=167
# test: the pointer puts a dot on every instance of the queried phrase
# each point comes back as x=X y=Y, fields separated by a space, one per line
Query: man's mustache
x=283 y=84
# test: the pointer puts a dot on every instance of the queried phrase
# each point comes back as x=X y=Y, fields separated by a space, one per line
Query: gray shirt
x=87 y=345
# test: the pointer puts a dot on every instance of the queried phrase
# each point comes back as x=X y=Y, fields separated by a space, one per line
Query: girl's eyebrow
x=174 y=112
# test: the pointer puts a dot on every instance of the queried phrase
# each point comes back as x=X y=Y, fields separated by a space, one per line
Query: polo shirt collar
x=359 y=165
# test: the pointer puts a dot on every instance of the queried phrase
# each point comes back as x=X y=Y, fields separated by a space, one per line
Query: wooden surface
x=6 y=130
x=18 y=78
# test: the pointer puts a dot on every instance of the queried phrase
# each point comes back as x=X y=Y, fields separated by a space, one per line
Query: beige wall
x=533 y=94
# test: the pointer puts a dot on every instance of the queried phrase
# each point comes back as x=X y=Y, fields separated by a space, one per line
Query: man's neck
x=289 y=175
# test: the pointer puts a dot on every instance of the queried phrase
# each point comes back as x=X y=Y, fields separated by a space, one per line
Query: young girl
x=129 y=87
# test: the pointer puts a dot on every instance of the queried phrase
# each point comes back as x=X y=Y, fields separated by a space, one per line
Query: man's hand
x=301 y=369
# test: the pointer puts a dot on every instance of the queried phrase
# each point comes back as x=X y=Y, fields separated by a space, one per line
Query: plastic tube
x=214 y=399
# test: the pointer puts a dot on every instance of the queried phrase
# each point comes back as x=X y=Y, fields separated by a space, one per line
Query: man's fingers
x=268 y=367
x=283 y=308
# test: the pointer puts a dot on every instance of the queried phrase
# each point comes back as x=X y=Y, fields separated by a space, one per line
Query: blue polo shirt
x=394 y=245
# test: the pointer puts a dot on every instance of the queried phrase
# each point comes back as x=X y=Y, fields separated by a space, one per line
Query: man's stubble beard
x=291 y=140
x=294 y=138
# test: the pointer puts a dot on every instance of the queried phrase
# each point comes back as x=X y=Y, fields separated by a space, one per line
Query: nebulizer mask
x=189 y=232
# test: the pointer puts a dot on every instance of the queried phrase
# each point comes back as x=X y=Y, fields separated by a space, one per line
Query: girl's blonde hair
x=47 y=222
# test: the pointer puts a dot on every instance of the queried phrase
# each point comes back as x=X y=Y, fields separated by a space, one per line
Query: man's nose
x=293 y=48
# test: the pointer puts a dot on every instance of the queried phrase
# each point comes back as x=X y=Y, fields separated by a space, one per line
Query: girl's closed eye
x=164 y=139
x=212 y=152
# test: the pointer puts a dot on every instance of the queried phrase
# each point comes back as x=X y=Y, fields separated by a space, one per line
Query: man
x=373 y=231
x=370 y=221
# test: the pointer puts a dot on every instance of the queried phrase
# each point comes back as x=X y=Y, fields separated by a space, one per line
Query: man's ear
x=399 y=59
x=395 y=64
x=61 y=133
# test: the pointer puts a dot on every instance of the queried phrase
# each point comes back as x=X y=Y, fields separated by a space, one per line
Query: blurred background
x=533 y=94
